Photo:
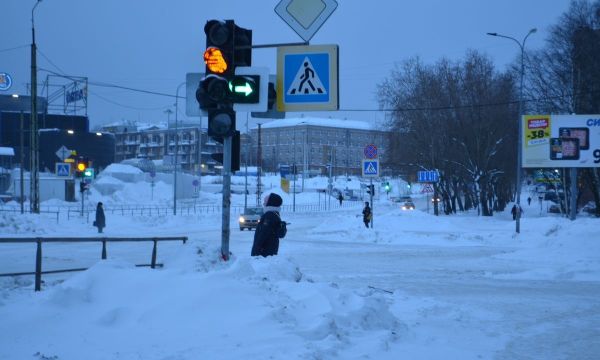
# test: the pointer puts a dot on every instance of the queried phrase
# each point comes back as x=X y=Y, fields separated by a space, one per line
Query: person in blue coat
x=270 y=228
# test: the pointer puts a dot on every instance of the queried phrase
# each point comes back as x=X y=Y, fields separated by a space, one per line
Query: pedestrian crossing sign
x=370 y=168
x=307 y=78
x=63 y=169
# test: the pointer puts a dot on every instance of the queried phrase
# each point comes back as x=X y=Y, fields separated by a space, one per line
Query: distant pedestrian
x=367 y=214
x=270 y=228
x=529 y=201
x=100 y=221
x=340 y=198
x=516 y=209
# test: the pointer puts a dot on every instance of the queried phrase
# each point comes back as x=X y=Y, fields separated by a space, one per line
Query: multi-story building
x=157 y=142
x=314 y=143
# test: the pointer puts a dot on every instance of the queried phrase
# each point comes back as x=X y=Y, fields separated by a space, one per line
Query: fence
x=17 y=210
x=38 y=256
x=192 y=209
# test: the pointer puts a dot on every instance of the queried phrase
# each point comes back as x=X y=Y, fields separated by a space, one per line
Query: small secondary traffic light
x=371 y=190
x=387 y=186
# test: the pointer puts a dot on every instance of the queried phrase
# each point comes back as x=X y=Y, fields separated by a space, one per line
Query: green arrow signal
x=246 y=89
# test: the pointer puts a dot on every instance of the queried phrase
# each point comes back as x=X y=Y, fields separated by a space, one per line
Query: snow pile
x=126 y=173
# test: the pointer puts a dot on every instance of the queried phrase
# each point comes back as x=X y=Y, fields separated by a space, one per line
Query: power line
x=14 y=48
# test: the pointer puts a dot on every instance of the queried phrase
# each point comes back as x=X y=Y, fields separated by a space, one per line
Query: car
x=408 y=205
x=250 y=218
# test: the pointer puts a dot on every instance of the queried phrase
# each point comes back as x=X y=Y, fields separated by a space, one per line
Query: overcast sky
x=152 y=44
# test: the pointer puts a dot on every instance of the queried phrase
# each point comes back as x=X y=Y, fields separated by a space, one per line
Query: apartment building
x=314 y=143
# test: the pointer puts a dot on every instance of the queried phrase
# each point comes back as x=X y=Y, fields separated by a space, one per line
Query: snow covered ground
x=416 y=286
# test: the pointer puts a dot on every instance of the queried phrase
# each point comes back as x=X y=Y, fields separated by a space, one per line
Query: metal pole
x=258 y=166
x=371 y=198
x=246 y=171
x=520 y=122
x=573 y=212
x=22 y=160
x=176 y=148
x=294 y=174
x=226 y=197
x=304 y=155
x=34 y=161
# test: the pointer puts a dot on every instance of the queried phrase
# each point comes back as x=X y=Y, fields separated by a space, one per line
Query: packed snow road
x=462 y=286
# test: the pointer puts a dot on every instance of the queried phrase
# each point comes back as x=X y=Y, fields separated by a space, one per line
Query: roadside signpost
x=305 y=17
x=307 y=78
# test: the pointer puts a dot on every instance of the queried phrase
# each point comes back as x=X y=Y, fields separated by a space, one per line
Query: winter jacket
x=100 y=219
x=366 y=214
x=267 y=235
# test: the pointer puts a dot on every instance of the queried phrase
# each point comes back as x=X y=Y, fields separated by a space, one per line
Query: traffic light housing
x=227 y=47
x=387 y=186
x=81 y=165
x=371 y=189
x=221 y=123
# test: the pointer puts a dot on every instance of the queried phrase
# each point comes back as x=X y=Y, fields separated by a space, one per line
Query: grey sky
x=152 y=44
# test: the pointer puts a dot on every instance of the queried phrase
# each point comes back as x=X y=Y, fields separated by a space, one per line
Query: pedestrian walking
x=270 y=228
x=514 y=211
x=100 y=221
x=340 y=198
x=367 y=214
x=529 y=201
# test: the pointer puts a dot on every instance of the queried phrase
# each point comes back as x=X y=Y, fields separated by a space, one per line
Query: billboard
x=557 y=141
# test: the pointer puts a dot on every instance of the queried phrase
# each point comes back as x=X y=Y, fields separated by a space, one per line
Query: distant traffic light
x=387 y=186
x=408 y=185
x=81 y=165
x=371 y=190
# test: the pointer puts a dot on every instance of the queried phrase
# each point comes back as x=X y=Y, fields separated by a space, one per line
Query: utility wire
x=14 y=48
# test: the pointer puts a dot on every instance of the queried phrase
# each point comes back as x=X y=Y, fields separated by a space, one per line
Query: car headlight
x=242 y=219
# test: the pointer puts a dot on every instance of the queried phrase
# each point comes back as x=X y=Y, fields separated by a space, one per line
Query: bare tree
x=457 y=117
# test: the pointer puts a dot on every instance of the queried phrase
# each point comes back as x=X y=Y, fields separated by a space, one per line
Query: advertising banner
x=561 y=141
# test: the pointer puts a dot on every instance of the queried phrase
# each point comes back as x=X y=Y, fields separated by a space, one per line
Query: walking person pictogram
x=307 y=81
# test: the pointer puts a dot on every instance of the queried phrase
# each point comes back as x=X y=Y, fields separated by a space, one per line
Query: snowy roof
x=7 y=151
x=338 y=123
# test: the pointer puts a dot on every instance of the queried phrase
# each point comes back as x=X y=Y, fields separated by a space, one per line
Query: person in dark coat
x=514 y=210
x=340 y=198
x=270 y=228
x=367 y=214
x=100 y=222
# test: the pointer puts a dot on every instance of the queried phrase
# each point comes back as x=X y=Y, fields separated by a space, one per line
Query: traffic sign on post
x=370 y=151
x=305 y=17
x=428 y=176
x=307 y=78
x=370 y=168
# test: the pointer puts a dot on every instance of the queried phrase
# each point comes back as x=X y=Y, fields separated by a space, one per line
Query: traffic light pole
x=82 y=195
x=226 y=196
x=372 y=205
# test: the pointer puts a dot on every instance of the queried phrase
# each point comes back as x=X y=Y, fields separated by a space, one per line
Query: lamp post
x=176 y=147
x=519 y=122
x=295 y=168
x=34 y=161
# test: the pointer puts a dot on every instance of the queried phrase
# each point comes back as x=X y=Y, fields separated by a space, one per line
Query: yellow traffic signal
x=215 y=60
x=81 y=166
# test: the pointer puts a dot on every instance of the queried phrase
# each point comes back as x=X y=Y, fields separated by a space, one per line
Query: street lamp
x=34 y=138
x=176 y=146
x=519 y=123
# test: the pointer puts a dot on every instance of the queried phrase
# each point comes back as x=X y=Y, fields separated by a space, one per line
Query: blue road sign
x=63 y=169
x=370 y=168
x=307 y=78
x=429 y=176
x=5 y=81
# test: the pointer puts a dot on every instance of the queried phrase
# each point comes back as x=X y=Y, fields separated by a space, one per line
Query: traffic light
x=386 y=186
x=235 y=154
x=371 y=190
x=81 y=165
x=408 y=185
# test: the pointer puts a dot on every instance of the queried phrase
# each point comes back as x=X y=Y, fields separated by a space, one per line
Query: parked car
x=554 y=209
x=250 y=218
x=408 y=205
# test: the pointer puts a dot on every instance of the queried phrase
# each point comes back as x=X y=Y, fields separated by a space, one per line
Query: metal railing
x=18 y=211
x=38 y=256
